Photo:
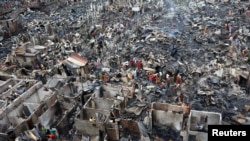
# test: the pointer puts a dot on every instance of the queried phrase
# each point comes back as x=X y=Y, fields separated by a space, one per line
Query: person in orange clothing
x=51 y=136
x=150 y=77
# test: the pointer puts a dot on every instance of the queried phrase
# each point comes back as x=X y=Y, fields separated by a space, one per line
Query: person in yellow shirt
x=91 y=119
x=42 y=67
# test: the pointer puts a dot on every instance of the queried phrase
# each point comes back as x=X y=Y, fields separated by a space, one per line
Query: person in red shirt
x=178 y=79
x=51 y=136
x=139 y=64
x=150 y=77
x=131 y=62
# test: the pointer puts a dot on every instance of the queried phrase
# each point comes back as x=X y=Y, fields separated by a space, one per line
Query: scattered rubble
x=123 y=70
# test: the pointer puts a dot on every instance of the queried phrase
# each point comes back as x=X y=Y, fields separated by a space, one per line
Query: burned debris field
x=122 y=70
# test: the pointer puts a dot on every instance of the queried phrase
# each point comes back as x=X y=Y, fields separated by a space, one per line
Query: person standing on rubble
x=134 y=61
x=150 y=77
x=178 y=79
x=134 y=73
x=26 y=4
x=237 y=43
x=178 y=82
x=240 y=11
x=92 y=119
x=230 y=28
x=37 y=76
x=96 y=74
x=139 y=65
x=51 y=136
x=71 y=133
x=243 y=50
x=152 y=17
x=131 y=62
x=17 y=3
x=42 y=67
x=248 y=14
x=100 y=75
x=157 y=79
x=6 y=5
x=168 y=80
x=105 y=78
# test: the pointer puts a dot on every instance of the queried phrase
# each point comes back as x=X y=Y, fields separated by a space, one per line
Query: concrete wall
x=20 y=83
x=62 y=124
x=36 y=99
x=4 y=86
x=10 y=24
x=111 y=132
x=194 y=117
x=166 y=107
x=112 y=91
x=167 y=118
x=66 y=94
x=65 y=90
x=25 y=59
x=85 y=114
x=57 y=115
x=47 y=118
x=20 y=99
x=130 y=126
x=17 y=117
x=43 y=106
x=99 y=103
x=39 y=96
x=88 y=128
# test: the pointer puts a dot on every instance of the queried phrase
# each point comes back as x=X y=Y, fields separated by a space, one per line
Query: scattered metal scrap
x=116 y=70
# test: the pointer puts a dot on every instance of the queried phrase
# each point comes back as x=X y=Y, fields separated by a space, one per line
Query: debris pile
x=117 y=70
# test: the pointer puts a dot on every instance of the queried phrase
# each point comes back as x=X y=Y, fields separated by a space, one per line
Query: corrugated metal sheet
x=76 y=62
x=70 y=65
x=79 y=58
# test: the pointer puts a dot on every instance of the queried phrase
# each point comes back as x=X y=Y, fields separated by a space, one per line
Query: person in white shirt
x=134 y=73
